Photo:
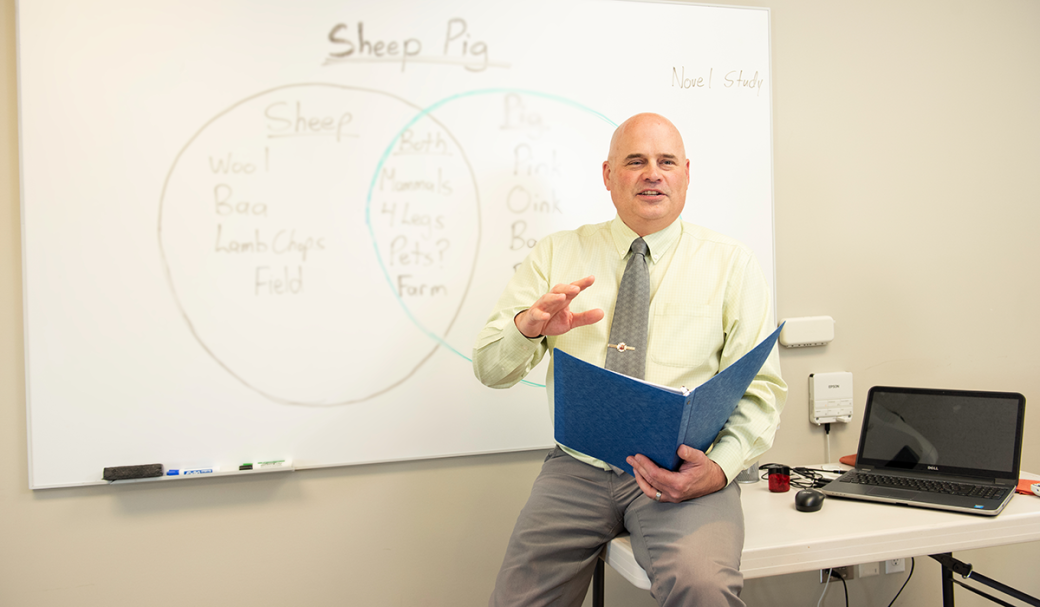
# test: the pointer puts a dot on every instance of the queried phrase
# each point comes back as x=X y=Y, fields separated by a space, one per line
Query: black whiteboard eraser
x=125 y=473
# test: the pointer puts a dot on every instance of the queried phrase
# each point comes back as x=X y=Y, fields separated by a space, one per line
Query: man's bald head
x=647 y=173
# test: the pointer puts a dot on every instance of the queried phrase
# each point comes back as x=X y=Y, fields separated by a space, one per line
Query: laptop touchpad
x=893 y=493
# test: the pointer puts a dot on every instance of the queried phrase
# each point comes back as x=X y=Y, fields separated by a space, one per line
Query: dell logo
x=933 y=467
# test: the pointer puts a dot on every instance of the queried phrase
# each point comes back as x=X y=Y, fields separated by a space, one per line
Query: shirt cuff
x=730 y=457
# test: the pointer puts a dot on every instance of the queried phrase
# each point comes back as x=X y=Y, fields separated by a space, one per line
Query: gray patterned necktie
x=626 y=351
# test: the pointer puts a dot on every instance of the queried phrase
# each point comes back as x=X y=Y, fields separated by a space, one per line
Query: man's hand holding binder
x=697 y=476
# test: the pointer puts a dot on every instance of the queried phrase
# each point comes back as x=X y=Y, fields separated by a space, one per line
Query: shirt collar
x=659 y=242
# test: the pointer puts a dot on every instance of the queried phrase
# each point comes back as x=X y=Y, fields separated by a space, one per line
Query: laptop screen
x=954 y=432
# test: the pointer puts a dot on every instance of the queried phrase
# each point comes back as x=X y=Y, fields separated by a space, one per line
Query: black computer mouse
x=808 y=500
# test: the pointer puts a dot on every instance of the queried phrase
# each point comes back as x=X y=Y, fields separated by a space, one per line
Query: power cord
x=833 y=574
x=824 y=593
x=844 y=585
x=827 y=442
x=909 y=575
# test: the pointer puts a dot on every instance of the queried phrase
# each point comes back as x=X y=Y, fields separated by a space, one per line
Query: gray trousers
x=690 y=551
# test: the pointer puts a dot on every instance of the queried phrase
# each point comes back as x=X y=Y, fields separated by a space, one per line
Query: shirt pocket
x=684 y=335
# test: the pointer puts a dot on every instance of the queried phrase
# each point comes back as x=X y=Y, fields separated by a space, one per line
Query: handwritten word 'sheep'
x=458 y=47
x=284 y=121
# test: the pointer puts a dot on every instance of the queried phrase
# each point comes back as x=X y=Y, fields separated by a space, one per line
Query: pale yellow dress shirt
x=709 y=305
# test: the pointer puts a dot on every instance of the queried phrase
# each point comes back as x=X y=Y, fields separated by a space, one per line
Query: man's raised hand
x=551 y=314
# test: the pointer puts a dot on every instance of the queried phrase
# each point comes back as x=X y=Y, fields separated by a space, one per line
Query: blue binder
x=611 y=416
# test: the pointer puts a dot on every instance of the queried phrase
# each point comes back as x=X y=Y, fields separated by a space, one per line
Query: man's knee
x=698 y=580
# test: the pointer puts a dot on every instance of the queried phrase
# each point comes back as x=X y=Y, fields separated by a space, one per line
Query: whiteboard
x=264 y=230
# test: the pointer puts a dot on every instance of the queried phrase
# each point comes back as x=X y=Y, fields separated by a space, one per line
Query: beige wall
x=907 y=172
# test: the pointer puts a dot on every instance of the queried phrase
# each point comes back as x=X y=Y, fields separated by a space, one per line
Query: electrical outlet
x=895 y=566
x=845 y=573
x=867 y=569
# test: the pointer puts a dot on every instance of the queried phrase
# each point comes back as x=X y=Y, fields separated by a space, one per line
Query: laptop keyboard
x=917 y=484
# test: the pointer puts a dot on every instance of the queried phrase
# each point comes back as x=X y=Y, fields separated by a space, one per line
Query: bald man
x=709 y=305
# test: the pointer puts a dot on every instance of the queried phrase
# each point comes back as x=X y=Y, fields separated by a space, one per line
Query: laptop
x=947 y=449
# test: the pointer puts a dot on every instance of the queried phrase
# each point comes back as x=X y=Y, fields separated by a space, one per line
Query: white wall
x=906 y=162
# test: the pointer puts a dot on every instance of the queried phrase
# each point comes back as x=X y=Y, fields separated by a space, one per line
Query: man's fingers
x=646 y=487
x=546 y=307
x=644 y=465
x=584 y=283
x=692 y=456
x=550 y=314
x=571 y=290
x=586 y=318
x=643 y=471
x=560 y=296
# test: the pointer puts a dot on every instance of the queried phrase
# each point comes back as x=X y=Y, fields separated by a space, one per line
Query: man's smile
x=650 y=193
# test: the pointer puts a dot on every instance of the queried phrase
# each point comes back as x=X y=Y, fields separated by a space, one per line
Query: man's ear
x=606 y=173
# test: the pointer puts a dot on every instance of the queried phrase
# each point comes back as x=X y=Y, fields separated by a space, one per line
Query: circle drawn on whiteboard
x=262 y=232
x=532 y=168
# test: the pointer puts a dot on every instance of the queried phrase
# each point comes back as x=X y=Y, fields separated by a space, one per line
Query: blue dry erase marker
x=204 y=470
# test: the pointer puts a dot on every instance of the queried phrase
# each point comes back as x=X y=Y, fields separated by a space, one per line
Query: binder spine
x=687 y=414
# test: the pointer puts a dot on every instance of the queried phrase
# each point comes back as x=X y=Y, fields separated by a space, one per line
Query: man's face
x=647 y=173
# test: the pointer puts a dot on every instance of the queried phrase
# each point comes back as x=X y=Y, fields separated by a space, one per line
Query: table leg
x=947 y=587
x=597 y=584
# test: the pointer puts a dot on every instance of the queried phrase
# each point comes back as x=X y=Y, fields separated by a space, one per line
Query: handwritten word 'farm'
x=458 y=47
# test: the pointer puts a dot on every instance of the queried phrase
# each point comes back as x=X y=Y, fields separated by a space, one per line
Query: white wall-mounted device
x=806 y=331
x=830 y=398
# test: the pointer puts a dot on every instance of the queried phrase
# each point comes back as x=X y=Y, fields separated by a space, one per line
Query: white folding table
x=779 y=539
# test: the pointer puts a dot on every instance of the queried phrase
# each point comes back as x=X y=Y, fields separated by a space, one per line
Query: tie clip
x=621 y=347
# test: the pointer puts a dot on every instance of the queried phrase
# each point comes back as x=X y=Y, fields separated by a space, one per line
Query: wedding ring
x=658 y=496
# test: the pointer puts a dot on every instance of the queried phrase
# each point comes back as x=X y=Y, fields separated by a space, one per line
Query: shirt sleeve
x=502 y=355
x=747 y=320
